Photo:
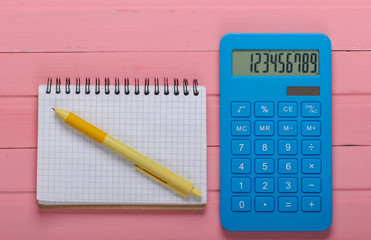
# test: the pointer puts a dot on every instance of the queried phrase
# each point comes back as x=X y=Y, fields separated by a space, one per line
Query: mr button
x=264 y=128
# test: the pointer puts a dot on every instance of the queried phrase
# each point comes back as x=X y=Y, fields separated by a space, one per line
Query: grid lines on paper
x=74 y=169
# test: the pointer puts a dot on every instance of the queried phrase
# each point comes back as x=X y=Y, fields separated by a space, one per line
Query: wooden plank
x=19 y=117
x=37 y=67
x=351 y=118
x=114 y=4
x=18 y=169
x=21 y=217
x=173 y=28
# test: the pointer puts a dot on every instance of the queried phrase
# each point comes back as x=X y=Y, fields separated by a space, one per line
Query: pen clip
x=149 y=174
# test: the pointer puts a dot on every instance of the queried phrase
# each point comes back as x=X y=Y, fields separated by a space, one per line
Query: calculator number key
x=264 y=165
x=241 y=109
x=264 y=185
x=264 y=147
x=241 y=147
x=287 y=166
x=264 y=109
x=287 y=147
x=241 y=204
x=241 y=185
x=286 y=185
x=311 y=109
x=241 y=166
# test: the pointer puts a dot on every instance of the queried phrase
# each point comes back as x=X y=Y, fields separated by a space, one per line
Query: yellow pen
x=142 y=163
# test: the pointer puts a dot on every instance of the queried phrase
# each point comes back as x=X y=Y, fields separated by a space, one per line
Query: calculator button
x=241 y=185
x=264 y=204
x=286 y=185
x=264 y=109
x=287 y=109
x=241 y=109
x=311 y=165
x=241 y=128
x=311 y=109
x=287 y=165
x=311 y=185
x=264 y=128
x=287 y=147
x=310 y=128
x=287 y=204
x=264 y=185
x=241 y=166
x=241 y=204
x=311 y=204
x=311 y=147
x=287 y=128
x=264 y=165
x=264 y=147
x=241 y=147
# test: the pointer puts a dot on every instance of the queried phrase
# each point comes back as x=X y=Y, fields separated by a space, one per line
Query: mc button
x=240 y=128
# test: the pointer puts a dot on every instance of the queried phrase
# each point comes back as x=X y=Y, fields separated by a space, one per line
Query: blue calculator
x=275 y=132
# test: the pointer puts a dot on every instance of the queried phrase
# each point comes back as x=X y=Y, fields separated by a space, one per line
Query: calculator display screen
x=275 y=62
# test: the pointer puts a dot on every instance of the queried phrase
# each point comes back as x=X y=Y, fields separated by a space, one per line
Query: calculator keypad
x=276 y=156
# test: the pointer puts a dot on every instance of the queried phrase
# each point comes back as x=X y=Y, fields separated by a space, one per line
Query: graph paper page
x=74 y=169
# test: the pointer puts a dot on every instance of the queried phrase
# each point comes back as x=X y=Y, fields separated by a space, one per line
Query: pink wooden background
x=145 y=38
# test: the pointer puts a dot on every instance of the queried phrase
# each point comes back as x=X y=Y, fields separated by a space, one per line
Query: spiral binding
x=146 y=89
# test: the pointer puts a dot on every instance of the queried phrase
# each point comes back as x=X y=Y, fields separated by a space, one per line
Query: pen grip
x=165 y=175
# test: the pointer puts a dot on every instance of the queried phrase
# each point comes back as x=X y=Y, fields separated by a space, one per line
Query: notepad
x=166 y=124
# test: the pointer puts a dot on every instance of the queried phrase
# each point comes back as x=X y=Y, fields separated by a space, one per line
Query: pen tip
x=53 y=109
x=196 y=192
